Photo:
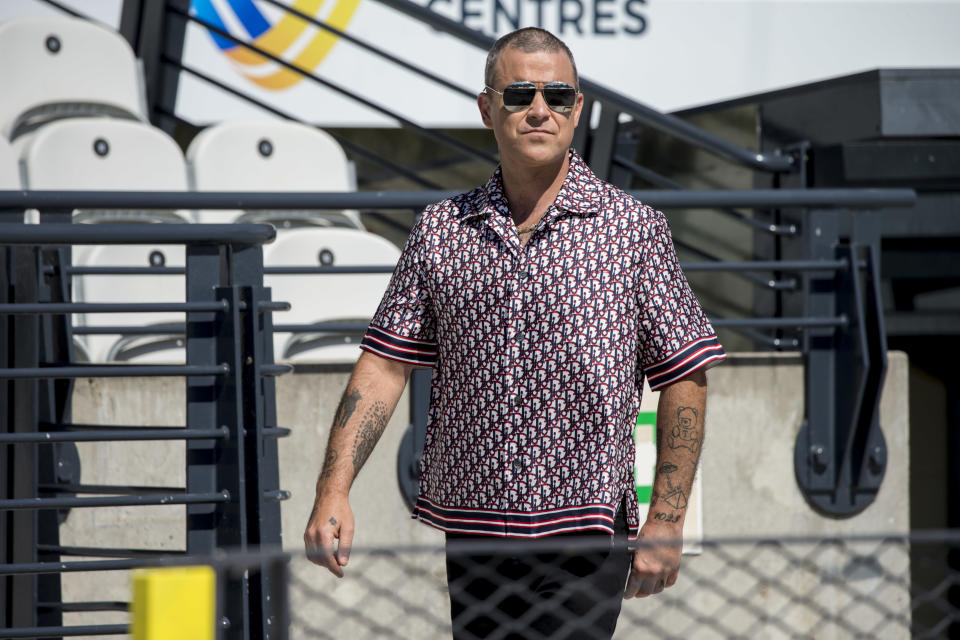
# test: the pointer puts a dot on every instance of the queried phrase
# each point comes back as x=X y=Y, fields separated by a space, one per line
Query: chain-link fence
x=837 y=587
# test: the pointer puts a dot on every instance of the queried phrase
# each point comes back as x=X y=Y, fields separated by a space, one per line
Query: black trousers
x=524 y=593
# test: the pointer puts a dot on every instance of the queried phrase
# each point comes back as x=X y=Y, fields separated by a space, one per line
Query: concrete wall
x=755 y=407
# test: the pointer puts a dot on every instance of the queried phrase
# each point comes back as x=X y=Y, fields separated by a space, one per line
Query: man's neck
x=531 y=191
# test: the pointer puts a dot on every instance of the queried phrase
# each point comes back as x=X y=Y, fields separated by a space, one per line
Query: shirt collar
x=580 y=194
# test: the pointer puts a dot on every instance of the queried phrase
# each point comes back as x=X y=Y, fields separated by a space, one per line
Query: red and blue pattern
x=540 y=353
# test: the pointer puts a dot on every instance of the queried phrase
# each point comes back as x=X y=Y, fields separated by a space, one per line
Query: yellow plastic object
x=175 y=603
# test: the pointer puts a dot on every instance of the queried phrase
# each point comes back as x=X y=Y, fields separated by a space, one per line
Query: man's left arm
x=680 y=429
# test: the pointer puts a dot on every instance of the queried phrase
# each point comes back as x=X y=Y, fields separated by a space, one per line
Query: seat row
x=84 y=128
x=111 y=154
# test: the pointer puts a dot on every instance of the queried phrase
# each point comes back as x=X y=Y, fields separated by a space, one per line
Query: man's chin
x=541 y=156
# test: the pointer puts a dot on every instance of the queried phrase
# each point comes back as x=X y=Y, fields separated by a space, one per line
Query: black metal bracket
x=841 y=455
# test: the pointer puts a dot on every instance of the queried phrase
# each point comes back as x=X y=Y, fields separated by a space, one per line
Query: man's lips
x=543 y=131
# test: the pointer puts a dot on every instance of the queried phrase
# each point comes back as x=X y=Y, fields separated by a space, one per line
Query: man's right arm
x=365 y=408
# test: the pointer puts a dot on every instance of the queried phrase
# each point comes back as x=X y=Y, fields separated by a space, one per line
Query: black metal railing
x=232 y=489
x=850 y=586
x=228 y=329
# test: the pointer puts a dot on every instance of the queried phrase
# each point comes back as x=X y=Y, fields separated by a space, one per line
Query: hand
x=655 y=565
x=331 y=519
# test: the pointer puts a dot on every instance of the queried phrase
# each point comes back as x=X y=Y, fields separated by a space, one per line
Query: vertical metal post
x=602 y=144
x=212 y=401
x=815 y=449
x=840 y=455
x=581 y=135
x=20 y=466
x=278 y=611
x=7 y=425
x=158 y=36
x=57 y=463
x=259 y=409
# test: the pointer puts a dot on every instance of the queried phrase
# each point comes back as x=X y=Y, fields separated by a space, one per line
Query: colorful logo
x=288 y=38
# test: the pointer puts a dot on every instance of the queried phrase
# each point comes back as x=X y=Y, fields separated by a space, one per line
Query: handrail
x=189 y=234
x=435 y=135
x=17 y=201
x=664 y=122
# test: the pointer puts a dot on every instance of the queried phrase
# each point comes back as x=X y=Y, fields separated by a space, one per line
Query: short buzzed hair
x=528 y=40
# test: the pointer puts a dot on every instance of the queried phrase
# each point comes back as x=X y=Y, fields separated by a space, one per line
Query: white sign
x=669 y=54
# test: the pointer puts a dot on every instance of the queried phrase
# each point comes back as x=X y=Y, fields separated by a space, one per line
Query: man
x=543 y=299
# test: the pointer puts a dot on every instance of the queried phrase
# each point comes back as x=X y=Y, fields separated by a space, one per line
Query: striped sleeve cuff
x=390 y=345
x=699 y=354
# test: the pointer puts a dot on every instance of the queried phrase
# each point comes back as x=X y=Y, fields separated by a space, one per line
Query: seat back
x=120 y=347
x=52 y=68
x=328 y=297
x=106 y=154
x=270 y=156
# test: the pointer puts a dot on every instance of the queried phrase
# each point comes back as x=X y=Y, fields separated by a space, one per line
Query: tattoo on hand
x=374 y=422
x=685 y=434
x=333 y=521
x=666 y=517
x=348 y=404
x=653 y=499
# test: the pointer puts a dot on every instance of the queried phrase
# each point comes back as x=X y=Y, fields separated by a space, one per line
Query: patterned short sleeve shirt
x=539 y=353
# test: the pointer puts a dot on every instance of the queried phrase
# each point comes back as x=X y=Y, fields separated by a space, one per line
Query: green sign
x=645 y=438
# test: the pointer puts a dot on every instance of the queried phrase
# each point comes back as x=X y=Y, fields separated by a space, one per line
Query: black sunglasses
x=517 y=96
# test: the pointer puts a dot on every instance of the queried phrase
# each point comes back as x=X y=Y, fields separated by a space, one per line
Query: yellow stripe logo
x=279 y=39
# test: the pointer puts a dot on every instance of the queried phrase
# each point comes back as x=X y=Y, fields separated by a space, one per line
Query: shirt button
x=524 y=274
x=517 y=401
x=517 y=466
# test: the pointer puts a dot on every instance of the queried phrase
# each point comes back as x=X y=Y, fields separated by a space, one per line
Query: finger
x=672 y=579
x=327 y=556
x=313 y=547
x=346 y=542
x=647 y=589
x=639 y=585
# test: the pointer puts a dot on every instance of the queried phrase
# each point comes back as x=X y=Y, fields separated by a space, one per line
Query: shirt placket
x=524 y=418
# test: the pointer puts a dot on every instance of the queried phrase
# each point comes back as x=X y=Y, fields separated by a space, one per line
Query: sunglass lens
x=518 y=96
x=560 y=97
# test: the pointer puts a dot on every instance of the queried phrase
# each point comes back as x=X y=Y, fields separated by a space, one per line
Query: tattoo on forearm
x=674 y=496
x=374 y=422
x=348 y=404
x=654 y=497
x=666 y=517
x=328 y=463
x=686 y=432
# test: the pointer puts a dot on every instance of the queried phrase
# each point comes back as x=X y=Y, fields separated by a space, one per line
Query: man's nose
x=538 y=109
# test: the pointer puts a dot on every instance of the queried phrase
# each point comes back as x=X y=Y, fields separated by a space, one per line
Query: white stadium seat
x=106 y=154
x=53 y=68
x=110 y=154
x=329 y=297
x=156 y=348
x=270 y=156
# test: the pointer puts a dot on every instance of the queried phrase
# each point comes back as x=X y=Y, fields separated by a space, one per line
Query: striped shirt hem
x=511 y=524
x=395 y=347
x=699 y=354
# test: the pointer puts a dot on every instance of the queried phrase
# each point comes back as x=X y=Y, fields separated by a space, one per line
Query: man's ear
x=483 y=103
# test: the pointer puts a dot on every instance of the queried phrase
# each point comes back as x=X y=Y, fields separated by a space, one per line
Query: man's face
x=536 y=136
